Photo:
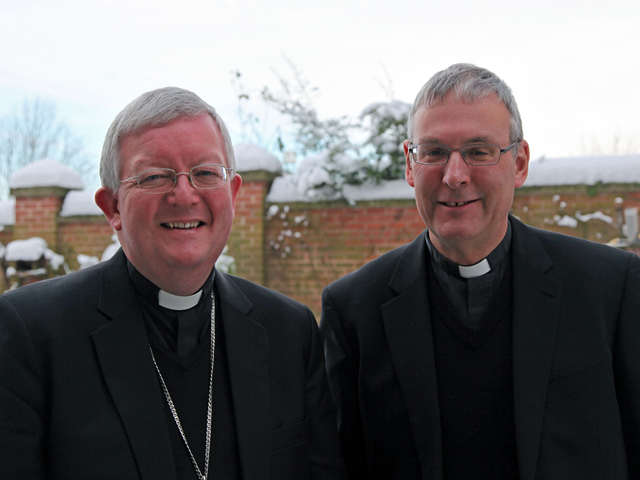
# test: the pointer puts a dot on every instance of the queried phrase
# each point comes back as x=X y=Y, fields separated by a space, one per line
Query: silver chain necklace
x=210 y=405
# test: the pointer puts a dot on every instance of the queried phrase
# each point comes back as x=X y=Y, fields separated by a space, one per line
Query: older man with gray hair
x=484 y=349
x=153 y=365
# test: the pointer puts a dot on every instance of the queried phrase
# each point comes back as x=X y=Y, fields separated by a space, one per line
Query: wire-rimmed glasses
x=479 y=154
x=162 y=180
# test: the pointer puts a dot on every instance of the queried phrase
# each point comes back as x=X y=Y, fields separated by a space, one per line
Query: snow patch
x=395 y=109
x=46 y=173
x=250 y=157
x=80 y=203
x=28 y=250
x=567 y=221
x=584 y=170
x=87 y=261
x=595 y=216
x=111 y=250
x=8 y=212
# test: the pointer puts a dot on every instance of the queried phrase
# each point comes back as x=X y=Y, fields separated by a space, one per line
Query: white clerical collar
x=175 y=302
x=476 y=270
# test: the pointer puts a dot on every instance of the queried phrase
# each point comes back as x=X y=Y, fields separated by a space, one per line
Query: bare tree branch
x=35 y=132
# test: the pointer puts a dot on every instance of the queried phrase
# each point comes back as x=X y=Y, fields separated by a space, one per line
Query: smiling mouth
x=182 y=225
x=457 y=204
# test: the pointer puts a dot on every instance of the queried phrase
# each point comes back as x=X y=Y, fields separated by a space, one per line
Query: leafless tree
x=34 y=132
x=619 y=144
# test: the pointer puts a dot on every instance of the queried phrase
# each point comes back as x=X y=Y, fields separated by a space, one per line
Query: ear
x=108 y=203
x=408 y=173
x=522 y=163
x=235 y=185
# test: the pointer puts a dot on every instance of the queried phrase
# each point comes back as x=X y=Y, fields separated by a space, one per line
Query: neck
x=181 y=283
x=466 y=253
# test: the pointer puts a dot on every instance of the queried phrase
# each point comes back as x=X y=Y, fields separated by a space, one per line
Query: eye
x=207 y=172
x=431 y=151
x=480 y=150
x=151 y=178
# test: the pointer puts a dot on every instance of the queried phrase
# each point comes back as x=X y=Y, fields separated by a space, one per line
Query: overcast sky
x=574 y=66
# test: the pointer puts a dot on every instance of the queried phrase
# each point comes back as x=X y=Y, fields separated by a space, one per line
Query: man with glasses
x=153 y=365
x=484 y=349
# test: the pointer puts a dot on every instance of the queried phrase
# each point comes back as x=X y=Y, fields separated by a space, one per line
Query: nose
x=184 y=193
x=456 y=171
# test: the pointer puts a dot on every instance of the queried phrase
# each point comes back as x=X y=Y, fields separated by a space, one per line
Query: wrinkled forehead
x=194 y=140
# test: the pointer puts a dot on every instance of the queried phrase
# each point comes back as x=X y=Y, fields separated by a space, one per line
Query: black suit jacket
x=80 y=398
x=576 y=362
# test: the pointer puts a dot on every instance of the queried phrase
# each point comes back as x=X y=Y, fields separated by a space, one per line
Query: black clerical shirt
x=180 y=331
x=471 y=296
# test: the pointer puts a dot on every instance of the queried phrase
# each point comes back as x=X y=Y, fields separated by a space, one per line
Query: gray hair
x=468 y=82
x=154 y=109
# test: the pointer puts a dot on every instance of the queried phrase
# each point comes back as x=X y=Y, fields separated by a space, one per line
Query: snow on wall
x=8 y=212
x=79 y=203
x=584 y=170
x=250 y=157
x=286 y=189
x=46 y=173
x=28 y=250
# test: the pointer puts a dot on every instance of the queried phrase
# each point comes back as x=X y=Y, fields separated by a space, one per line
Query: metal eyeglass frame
x=227 y=172
x=413 y=150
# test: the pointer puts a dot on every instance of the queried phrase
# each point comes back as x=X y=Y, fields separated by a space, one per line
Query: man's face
x=185 y=229
x=465 y=207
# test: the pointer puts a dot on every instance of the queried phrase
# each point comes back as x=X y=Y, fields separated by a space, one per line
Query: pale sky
x=574 y=66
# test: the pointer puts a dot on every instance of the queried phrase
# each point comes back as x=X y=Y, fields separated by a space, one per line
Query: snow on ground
x=79 y=203
x=250 y=157
x=46 y=173
x=584 y=170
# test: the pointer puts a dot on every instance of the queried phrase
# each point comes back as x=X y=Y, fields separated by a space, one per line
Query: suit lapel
x=408 y=328
x=123 y=353
x=536 y=312
x=248 y=359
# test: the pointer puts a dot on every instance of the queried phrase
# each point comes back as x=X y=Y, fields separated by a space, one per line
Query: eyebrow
x=157 y=162
x=466 y=142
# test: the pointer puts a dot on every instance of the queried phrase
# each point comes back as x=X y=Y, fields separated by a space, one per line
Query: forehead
x=180 y=143
x=482 y=117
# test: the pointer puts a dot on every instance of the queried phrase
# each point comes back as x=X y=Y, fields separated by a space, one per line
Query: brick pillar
x=37 y=210
x=247 y=239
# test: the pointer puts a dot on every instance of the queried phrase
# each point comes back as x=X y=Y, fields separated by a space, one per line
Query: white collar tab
x=175 y=302
x=476 y=270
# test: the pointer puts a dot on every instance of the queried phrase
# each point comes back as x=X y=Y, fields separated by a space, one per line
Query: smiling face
x=465 y=207
x=175 y=238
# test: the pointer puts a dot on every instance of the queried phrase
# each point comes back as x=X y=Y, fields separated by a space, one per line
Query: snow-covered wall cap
x=46 y=173
x=8 y=212
x=584 y=170
x=79 y=203
x=28 y=250
x=250 y=157
x=286 y=189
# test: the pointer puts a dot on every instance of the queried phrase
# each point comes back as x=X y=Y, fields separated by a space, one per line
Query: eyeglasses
x=162 y=180
x=477 y=154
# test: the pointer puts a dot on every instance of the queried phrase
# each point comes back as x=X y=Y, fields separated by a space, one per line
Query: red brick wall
x=541 y=207
x=246 y=242
x=309 y=246
x=6 y=234
x=306 y=246
x=37 y=217
x=87 y=235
